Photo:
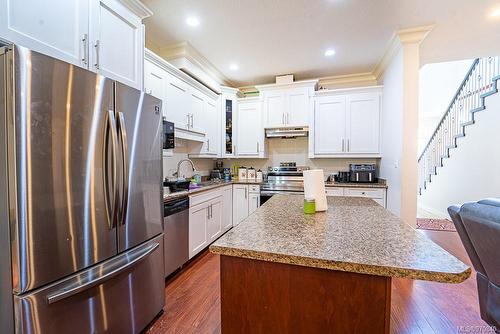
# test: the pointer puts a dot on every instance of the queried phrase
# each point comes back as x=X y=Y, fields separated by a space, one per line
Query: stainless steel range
x=287 y=178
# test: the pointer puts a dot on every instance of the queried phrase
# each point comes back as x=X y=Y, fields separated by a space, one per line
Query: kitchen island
x=284 y=271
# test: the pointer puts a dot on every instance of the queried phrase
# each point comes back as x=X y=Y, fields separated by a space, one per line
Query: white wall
x=473 y=171
x=392 y=130
x=438 y=85
x=280 y=150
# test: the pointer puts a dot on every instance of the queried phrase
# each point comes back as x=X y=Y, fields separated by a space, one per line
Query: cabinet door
x=250 y=131
x=198 y=219
x=154 y=80
x=196 y=109
x=329 y=125
x=177 y=100
x=334 y=191
x=215 y=221
x=274 y=109
x=227 y=208
x=363 y=123
x=298 y=104
x=37 y=25
x=228 y=122
x=211 y=144
x=240 y=203
x=117 y=37
x=253 y=202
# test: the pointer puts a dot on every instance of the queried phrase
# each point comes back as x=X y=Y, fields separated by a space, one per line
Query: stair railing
x=478 y=83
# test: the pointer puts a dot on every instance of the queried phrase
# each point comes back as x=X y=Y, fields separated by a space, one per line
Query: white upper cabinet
x=37 y=25
x=330 y=120
x=196 y=114
x=155 y=80
x=104 y=36
x=211 y=145
x=346 y=123
x=250 y=132
x=363 y=124
x=274 y=105
x=177 y=95
x=299 y=103
x=117 y=40
x=229 y=106
x=287 y=105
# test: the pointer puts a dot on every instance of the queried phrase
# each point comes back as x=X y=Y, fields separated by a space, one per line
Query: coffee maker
x=218 y=172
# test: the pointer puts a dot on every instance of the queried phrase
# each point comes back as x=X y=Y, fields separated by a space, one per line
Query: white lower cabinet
x=240 y=203
x=227 y=208
x=246 y=199
x=210 y=215
x=198 y=221
x=379 y=195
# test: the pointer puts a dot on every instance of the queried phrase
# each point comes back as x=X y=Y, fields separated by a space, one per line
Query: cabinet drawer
x=380 y=201
x=254 y=188
x=364 y=192
x=204 y=196
x=334 y=191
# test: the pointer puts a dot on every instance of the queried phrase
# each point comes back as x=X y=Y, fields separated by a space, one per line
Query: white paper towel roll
x=314 y=187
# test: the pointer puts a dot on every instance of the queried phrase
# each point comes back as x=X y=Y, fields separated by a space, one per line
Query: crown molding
x=186 y=50
x=138 y=8
x=348 y=79
x=400 y=37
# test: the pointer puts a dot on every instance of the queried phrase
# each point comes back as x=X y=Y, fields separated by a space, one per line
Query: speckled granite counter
x=354 y=235
x=214 y=185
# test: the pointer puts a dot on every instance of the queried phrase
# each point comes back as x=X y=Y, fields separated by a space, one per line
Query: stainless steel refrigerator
x=80 y=200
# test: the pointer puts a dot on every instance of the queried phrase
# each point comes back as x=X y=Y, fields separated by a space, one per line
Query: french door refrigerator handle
x=66 y=292
x=123 y=140
x=111 y=202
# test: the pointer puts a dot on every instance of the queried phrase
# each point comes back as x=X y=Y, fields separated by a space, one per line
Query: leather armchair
x=478 y=225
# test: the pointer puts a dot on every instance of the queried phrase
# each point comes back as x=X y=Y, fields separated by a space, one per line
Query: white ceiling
x=270 y=37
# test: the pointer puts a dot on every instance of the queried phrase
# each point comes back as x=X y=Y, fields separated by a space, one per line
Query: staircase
x=480 y=81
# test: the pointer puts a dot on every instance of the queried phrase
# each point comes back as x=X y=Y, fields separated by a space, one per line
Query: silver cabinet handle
x=343 y=145
x=257 y=147
x=88 y=283
x=188 y=123
x=286 y=118
x=192 y=121
x=283 y=118
x=208 y=212
x=85 y=49
x=96 y=47
x=348 y=148
x=245 y=193
x=208 y=145
x=211 y=211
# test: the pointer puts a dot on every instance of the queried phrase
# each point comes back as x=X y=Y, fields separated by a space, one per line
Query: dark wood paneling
x=266 y=297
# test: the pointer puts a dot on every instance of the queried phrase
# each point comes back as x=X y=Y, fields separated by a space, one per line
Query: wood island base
x=268 y=297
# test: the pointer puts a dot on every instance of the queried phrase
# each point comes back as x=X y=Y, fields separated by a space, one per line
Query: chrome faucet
x=179 y=166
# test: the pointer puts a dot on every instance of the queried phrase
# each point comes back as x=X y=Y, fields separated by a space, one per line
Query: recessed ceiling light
x=329 y=52
x=495 y=13
x=192 y=21
x=234 y=67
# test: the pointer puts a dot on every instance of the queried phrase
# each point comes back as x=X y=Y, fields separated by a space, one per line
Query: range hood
x=287 y=132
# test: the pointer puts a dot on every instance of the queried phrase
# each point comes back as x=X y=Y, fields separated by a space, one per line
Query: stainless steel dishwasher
x=176 y=233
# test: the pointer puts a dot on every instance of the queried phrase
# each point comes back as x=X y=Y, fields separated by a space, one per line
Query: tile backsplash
x=280 y=150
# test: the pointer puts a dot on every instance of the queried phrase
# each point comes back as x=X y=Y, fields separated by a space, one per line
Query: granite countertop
x=354 y=235
x=206 y=187
x=380 y=184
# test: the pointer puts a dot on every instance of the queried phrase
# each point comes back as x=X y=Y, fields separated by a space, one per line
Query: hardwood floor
x=193 y=299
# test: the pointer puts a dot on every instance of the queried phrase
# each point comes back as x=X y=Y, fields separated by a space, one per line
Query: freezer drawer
x=121 y=295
